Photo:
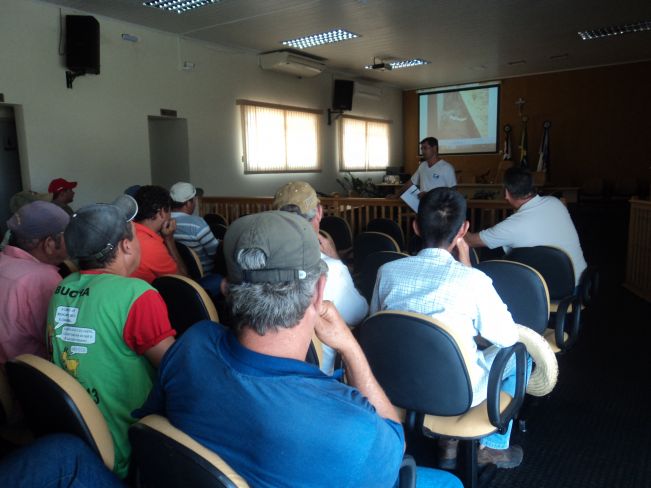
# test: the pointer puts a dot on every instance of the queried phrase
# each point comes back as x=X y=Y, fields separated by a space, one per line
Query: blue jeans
x=56 y=461
x=501 y=441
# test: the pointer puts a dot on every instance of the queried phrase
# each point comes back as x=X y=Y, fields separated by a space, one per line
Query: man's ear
x=463 y=229
x=320 y=290
x=416 y=228
x=126 y=246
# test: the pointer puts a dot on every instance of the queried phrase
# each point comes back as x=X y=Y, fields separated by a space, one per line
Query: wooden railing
x=638 y=259
x=359 y=211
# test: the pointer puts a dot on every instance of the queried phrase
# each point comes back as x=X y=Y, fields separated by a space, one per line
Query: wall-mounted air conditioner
x=291 y=63
x=367 y=90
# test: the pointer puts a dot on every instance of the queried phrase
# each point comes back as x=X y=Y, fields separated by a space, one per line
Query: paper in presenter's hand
x=410 y=197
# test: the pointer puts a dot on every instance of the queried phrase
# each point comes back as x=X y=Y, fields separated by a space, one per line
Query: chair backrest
x=339 y=230
x=53 y=401
x=367 y=243
x=368 y=273
x=522 y=289
x=389 y=227
x=191 y=261
x=418 y=361
x=215 y=218
x=552 y=263
x=218 y=230
x=166 y=457
x=187 y=302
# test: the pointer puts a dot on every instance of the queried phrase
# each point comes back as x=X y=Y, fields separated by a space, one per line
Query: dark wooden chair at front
x=187 y=302
x=389 y=227
x=423 y=367
x=53 y=401
x=367 y=243
x=165 y=457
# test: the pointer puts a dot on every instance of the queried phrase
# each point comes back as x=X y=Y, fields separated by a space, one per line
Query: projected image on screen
x=464 y=121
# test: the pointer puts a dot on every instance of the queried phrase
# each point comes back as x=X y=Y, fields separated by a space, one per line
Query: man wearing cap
x=62 y=193
x=155 y=229
x=29 y=276
x=192 y=230
x=299 y=197
x=247 y=393
x=107 y=330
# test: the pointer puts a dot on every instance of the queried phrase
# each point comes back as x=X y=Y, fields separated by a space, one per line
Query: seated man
x=433 y=283
x=299 y=197
x=29 y=276
x=192 y=230
x=107 y=330
x=248 y=395
x=62 y=193
x=537 y=221
x=155 y=230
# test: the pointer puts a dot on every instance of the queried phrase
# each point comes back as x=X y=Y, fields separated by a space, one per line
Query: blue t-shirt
x=277 y=422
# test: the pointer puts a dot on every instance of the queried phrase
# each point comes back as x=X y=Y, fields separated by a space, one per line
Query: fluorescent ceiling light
x=397 y=64
x=318 y=39
x=178 y=6
x=615 y=30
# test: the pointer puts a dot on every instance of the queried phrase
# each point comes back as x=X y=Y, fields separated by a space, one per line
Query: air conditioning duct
x=291 y=63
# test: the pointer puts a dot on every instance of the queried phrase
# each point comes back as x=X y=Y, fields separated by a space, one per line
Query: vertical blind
x=364 y=144
x=279 y=139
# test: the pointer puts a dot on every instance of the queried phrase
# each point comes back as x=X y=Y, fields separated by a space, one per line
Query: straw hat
x=545 y=373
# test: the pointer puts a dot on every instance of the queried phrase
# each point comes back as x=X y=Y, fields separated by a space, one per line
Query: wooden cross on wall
x=520 y=103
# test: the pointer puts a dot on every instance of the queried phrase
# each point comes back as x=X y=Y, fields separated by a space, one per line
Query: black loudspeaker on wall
x=82 y=44
x=342 y=98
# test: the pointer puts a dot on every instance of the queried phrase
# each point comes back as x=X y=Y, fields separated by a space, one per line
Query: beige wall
x=97 y=132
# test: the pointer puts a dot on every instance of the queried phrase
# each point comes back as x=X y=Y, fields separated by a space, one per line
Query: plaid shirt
x=433 y=283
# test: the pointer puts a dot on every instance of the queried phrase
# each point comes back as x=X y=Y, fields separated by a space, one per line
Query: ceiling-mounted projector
x=381 y=66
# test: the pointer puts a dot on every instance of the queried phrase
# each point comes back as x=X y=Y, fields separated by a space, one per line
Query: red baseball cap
x=60 y=184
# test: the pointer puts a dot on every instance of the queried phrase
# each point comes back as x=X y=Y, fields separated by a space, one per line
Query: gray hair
x=309 y=216
x=266 y=307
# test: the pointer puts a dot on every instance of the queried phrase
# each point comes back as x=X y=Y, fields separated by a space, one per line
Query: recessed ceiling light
x=178 y=6
x=615 y=30
x=519 y=61
x=336 y=35
x=558 y=57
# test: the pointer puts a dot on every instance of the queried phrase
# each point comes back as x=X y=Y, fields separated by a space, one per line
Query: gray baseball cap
x=288 y=241
x=95 y=230
x=37 y=220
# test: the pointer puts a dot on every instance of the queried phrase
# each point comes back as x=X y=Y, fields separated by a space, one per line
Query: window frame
x=316 y=112
x=340 y=143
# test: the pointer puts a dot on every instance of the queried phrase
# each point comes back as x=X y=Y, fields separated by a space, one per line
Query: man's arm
x=402 y=189
x=167 y=231
x=332 y=330
x=155 y=354
x=473 y=239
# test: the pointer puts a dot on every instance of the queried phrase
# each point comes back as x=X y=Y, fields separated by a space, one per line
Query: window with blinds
x=363 y=144
x=279 y=139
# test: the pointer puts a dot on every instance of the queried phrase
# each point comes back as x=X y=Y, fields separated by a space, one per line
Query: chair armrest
x=407 y=475
x=559 y=322
x=495 y=385
x=588 y=285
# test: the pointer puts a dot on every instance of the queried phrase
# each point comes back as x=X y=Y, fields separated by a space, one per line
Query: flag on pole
x=507 y=143
x=524 y=158
x=543 y=153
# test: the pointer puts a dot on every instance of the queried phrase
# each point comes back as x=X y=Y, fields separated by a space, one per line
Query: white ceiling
x=466 y=40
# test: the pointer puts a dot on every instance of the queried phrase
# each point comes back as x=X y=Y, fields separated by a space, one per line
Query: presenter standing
x=433 y=172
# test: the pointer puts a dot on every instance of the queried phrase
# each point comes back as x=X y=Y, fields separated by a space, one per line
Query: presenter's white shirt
x=542 y=221
x=440 y=174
